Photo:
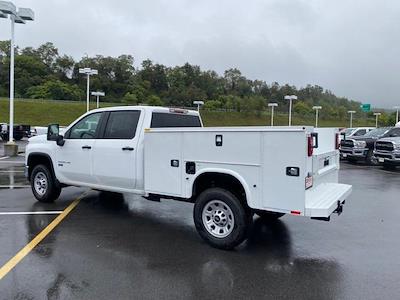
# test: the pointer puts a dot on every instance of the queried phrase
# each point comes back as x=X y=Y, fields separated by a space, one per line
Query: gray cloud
x=349 y=47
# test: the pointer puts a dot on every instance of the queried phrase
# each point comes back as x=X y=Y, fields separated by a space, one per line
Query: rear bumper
x=353 y=152
x=325 y=199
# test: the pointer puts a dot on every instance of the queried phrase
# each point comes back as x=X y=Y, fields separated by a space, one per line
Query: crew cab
x=229 y=173
x=387 y=150
x=362 y=148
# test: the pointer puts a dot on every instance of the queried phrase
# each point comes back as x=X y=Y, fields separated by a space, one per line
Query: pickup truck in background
x=353 y=132
x=362 y=148
x=387 y=151
x=229 y=173
x=20 y=131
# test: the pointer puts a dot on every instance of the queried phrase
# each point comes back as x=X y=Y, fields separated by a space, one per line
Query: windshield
x=348 y=131
x=378 y=132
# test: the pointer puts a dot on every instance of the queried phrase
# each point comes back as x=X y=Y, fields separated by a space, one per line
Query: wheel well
x=39 y=159
x=225 y=181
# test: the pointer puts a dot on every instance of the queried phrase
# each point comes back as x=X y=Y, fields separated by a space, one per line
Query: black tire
x=268 y=215
x=370 y=159
x=50 y=190
x=5 y=137
x=241 y=215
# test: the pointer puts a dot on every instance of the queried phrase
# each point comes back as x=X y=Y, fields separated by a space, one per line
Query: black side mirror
x=53 y=134
x=53 y=131
x=60 y=140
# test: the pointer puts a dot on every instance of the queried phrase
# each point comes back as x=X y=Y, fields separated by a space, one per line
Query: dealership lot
x=136 y=248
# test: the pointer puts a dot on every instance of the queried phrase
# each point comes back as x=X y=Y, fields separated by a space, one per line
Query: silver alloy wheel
x=218 y=218
x=40 y=183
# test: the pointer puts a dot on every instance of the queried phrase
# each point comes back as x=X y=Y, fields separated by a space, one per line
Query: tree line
x=44 y=73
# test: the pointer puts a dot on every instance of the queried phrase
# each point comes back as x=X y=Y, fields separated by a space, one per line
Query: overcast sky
x=349 y=47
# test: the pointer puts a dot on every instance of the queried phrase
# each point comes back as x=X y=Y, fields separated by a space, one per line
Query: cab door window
x=85 y=128
x=122 y=124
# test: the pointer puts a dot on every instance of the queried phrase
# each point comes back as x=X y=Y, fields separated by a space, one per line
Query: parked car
x=353 y=132
x=20 y=131
x=229 y=173
x=387 y=150
x=362 y=147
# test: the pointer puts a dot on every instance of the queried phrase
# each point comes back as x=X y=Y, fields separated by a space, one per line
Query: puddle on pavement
x=12 y=177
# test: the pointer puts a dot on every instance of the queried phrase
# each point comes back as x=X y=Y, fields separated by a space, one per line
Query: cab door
x=74 y=159
x=115 y=152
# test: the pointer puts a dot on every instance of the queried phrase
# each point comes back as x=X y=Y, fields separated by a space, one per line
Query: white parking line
x=14 y=186
x=56 y=212
x=5 y=157
x=7 y=171
x=12 y=162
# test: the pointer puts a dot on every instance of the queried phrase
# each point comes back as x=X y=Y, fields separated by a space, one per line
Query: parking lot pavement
x=110 y=249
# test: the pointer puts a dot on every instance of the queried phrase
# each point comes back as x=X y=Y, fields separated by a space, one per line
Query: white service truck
x=229 y=173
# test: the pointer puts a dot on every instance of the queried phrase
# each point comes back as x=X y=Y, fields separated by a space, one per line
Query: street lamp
x=20 y=16
x=272 y=105
x=316 y=108
x=290 y=98
x=397 y=113
x=198 y=103
x=98 y=94
x=89 y=72
x=376 y=118
x=351 y=112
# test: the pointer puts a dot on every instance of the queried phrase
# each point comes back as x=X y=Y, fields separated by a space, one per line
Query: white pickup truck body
x=273 y=169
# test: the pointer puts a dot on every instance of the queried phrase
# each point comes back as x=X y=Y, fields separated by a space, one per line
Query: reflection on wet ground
x=12 y=176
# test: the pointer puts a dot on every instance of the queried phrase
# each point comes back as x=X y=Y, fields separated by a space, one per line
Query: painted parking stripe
x=7 y=171
x=5 y=157
x=5 y=269
x=14 y=186
x=13 y=213
x=12 y=162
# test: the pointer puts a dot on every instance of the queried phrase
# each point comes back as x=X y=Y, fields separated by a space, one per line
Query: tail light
x=337 y=141
x=310 y=143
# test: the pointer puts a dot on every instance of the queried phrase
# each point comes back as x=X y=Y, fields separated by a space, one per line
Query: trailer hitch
x=339 y=208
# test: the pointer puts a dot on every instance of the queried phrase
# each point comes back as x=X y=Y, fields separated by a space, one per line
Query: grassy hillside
x=44 y=112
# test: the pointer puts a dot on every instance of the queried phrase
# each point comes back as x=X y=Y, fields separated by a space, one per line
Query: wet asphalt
x=137 y=249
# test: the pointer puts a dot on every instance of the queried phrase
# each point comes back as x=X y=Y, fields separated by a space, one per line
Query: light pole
x=316 y=108
x=272 y=105
x=397 y=113
x=376 y=119
x=290 y=98
x=20 y=16
x=198 y=103
x=98 y=95
x=89 y=72
x=351 y=112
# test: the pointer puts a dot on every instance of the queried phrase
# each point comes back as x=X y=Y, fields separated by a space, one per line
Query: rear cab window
x=167 y=119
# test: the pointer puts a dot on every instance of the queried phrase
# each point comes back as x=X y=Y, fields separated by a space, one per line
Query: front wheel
x=44 y=187
x=371 y=159
x=221 y=219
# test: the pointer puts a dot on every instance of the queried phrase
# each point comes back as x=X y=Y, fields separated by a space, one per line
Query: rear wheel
x=43 y=184
x=221 y=219
x=268 y=215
